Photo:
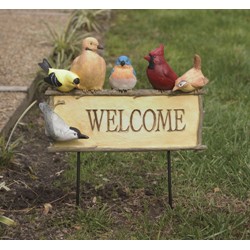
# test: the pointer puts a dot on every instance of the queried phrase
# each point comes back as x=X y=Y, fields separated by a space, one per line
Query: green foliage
x=67 y=42
x=7 y=153
x=65 y=45
x=6 y=221
x=95 y=221
x=90 y=20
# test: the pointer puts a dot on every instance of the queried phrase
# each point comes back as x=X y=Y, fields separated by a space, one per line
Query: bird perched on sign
x=61 y=79
x=90 y=66
x=159 y=73
x=56 y=128
x=193 y=79
x=123 y=76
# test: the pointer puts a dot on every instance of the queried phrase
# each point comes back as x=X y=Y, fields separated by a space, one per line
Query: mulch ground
x=31 y=178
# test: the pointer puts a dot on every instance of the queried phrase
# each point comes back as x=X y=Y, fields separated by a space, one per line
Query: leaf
x=7 y=221
x=216 y=190
x=59 y=173
x=3 y=186
x=47 y=207
x=94 y=200
x=77 y=227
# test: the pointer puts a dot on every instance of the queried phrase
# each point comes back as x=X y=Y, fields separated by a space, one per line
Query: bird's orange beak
x=175 y=88
x=147 y=58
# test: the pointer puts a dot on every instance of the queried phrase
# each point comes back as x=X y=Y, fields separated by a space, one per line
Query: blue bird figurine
x=123 y=76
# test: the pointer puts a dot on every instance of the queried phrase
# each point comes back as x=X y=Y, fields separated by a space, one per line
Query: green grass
x=7 y=152
x=210 y=188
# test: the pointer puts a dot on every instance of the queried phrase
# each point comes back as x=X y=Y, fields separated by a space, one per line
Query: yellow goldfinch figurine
x=89 y=66
x=63 y=80
x=193 y=79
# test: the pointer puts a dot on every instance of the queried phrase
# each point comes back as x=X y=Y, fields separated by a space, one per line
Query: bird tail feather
x=45 y=65
x=197 y=62
x=44 y=106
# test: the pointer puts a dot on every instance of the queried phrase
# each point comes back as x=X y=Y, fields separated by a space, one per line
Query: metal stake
x=78 y=168
x=170 y=198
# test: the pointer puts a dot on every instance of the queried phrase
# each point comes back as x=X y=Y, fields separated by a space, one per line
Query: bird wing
x=202 y=81
x=49 y=128
x=75 y=64
x=165 y=72
x=58 y=122
x=52 y=80
x=167 y=75
x=112 y=71
x=70 y=76
x=55 y=126
x=134 y=72
x=62 y=130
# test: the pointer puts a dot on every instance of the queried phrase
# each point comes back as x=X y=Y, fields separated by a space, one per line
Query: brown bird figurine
x=89 y=66
x=193 y=79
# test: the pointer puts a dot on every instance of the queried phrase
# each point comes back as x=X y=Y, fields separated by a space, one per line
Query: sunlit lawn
x=210 y=188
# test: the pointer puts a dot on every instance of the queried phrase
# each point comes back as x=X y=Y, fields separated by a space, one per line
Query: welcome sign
x=140 y=120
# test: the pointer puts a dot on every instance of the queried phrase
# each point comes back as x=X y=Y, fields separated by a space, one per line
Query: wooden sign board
x=141 y=120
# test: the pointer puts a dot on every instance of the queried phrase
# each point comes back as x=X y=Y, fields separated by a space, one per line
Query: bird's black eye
x=75 y=134
x=182 y=83
x=151 y=56
x=76 y=81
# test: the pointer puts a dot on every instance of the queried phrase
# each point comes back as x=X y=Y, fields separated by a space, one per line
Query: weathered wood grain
x=59 y=147
x=14 y=88
x=108 y=92
x=146 y=120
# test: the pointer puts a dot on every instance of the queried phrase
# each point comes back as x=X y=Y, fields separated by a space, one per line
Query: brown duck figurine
x=193 y=79
x=89 y=66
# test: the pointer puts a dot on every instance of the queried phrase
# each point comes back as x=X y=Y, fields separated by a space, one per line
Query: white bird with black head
x=56 y=128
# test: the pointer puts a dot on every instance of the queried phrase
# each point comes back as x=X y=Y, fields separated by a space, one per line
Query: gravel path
x=24 y=41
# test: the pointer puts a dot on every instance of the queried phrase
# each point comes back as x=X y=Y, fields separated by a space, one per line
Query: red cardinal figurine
x=159 y=73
